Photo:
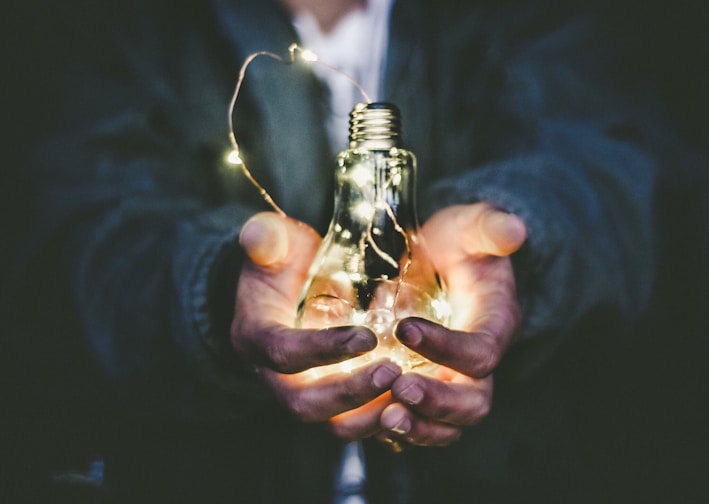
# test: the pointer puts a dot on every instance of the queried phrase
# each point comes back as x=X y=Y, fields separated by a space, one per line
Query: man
x=180 y=339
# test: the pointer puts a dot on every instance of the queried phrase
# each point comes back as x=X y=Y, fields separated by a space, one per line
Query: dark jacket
x=129 y=259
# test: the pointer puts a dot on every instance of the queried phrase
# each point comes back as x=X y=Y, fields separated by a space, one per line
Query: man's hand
x=280 y=251
x=470 y=245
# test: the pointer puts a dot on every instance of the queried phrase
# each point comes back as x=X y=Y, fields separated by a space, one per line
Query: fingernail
x=409 y=334
x=265 y=239
x=396 y=422
x=413 y=394
x=361 y=342
x=385 y=375
x=507 y=232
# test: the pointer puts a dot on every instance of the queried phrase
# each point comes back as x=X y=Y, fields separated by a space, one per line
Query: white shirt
x=356 y=45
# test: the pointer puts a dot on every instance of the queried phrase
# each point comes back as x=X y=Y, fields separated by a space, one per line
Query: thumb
x=264 y=238
x=280 y=250
x=270 y=239
x=496 y=232
x=475 y=229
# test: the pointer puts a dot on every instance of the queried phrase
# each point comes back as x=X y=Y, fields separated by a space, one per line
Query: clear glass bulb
x=372 y=268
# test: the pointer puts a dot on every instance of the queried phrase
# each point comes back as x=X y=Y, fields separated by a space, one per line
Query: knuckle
x=488 y=358
x=484 y=408
x=487 y=364
x=279 y=358
x=435 y=406
x=479 y=410
x=350 y=395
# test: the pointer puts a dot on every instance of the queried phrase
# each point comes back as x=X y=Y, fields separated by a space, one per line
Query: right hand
x=280 y=251
x=471 y=247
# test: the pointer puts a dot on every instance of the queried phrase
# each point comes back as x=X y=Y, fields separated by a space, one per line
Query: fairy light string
x=297 y=53
x=294 y=50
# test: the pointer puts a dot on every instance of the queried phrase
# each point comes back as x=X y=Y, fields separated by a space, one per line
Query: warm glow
x=233 y=158
x=364 y=210
x=441 y=308
x=346 y=366
x=362 y=175
x=340 y=277
x=356 y=277
x=396 y=178
x=308 y=55
x=359 y=317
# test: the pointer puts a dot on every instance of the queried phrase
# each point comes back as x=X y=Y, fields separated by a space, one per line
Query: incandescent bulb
x=372 y=268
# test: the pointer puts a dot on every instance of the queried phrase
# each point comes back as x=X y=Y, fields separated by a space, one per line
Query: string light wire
x=293 y=50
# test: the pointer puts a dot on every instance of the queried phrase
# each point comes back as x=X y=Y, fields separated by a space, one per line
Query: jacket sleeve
x=561 y=140
x=131 y=221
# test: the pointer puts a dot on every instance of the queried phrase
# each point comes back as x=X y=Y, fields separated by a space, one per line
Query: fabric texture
x=130 y=253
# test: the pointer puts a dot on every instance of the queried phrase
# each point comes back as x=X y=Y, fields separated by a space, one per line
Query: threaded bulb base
x=375 y=126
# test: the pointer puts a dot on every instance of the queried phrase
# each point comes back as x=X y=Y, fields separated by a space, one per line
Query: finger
x=361 y=422
x=402 y=423
x=473 y=354
x=321 y=399
x=463 y=401
x=288 y=350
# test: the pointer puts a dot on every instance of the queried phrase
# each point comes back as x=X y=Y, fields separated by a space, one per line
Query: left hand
x=279 y=252
x=470 y=246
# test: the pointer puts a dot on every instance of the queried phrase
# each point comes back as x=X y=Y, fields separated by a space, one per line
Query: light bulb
x=372 y=268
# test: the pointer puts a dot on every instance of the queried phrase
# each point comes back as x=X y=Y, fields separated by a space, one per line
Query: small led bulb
x=308 y=55
x=234 y=158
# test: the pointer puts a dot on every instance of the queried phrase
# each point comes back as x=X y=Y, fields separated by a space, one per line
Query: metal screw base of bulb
x=375 y=126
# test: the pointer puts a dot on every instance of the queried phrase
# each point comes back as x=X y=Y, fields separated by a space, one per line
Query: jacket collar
x=293 y=142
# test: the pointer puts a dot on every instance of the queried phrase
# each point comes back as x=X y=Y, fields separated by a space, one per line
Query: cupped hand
x=470 y=246
x=279 y=251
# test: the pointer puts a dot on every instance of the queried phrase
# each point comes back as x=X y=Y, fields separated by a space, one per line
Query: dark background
x=660 y=409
